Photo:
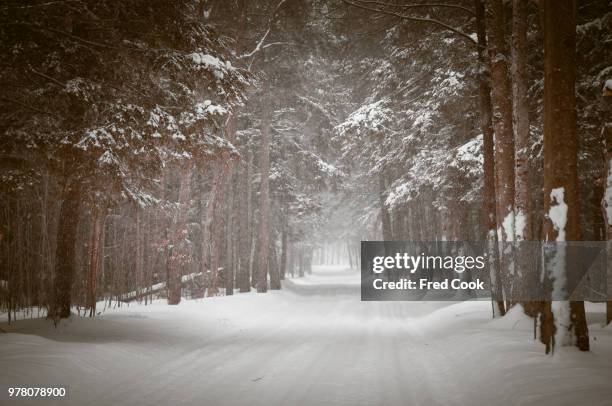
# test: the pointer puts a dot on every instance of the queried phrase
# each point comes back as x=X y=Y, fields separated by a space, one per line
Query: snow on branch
x=372 y=117
x=260 y=43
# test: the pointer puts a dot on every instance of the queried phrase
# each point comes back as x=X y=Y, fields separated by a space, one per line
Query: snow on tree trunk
x=564 y=322
x=520 y=124
x=486 y=125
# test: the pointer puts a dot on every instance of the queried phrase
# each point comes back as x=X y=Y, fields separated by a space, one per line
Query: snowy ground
x=314 y=343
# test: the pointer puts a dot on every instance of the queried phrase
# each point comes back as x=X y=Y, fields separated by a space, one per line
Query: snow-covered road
x=313 y=343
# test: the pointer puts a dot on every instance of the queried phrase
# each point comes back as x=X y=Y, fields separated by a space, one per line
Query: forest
x=180 y=151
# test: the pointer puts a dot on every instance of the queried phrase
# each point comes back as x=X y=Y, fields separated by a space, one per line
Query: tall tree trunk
x=300 y=260
x=217 y=227
x=607 y=203
x=97 y=220
x=567 y=326
x=178 y=238
x=140 y=251
x=607 y=212
x=264 y=206
x=231 y=136
x=525 y=272
x=209 y=275
x=504 y=141
x=284 y=231
x=384 y=212
x=228 y=268
x=244 y=248
x=520 y=115
x=273 y=268
x=65 y=249
x=250 y=225
x=486 y=125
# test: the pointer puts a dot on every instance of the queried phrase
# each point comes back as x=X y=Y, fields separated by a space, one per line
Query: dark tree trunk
x=140 y=250
x=520 y=114
x=65 y=250
x=384 y=212
x=504 y=137
x=244 y=248
x=560 y=162
x=178 y=237
x=607 y=208
x=97 y=222
x=283 y=257
x=217 y=227
x=231 y=136
x=486 y=125
x=231 y=220
x=210 y=230
x=526 y=272
x=273 y=267
x=300 y=261
x=264 y=205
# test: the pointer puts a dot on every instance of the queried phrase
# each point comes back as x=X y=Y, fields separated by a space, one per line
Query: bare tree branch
x=424 y=5
x=439 y=23
x=49 y=78
x=28 y=107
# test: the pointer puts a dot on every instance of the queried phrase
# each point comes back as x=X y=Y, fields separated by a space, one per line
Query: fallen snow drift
x=310 y=344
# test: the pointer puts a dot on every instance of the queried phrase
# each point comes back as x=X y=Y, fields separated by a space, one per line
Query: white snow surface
x=313 y=343
x=520 y=223
x=558 y=212
x=508 y=227
x=560 y=309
